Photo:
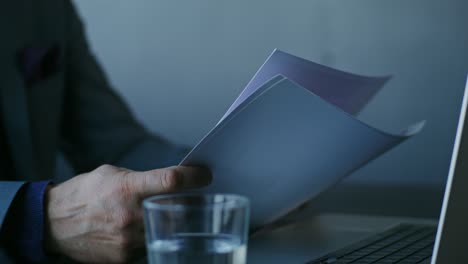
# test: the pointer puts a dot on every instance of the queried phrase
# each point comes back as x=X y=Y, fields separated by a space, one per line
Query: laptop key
x=402 y=244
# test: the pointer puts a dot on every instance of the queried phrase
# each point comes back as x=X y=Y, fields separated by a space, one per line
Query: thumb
x=166 y=180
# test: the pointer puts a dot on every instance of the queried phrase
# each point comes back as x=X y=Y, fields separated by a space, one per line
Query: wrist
x=50 y=242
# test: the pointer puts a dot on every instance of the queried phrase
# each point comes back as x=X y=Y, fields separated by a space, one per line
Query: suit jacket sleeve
x=8 y=190
x=97 y=126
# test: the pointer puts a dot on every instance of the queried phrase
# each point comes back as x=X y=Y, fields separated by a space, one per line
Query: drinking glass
x=196 y=228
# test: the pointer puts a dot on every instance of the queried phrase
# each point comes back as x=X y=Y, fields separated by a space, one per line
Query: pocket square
x=38 y=63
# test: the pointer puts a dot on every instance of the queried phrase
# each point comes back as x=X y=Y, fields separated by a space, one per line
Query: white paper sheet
x=283 y=144
x=350 y=92
x=291 y=134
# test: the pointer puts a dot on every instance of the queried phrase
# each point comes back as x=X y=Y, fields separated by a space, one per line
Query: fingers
x=166 y=180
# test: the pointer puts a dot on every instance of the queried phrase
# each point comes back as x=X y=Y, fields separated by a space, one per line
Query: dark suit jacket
x=69 y=108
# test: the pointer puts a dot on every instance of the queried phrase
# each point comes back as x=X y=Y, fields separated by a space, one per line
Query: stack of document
x=291 y=134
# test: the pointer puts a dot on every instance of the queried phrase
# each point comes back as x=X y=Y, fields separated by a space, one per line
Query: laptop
x=347 y=238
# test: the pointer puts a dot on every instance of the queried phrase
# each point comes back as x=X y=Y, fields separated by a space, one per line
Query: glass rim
x=233 y=201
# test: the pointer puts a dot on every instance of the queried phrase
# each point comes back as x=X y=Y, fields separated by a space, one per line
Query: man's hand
x=97 y=216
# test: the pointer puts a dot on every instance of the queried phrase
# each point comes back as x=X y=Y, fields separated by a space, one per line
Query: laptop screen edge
x=453 y=163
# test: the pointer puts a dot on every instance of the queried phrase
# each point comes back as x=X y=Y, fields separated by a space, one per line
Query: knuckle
x=125 y=189
x=105 y=168
x=170 y=179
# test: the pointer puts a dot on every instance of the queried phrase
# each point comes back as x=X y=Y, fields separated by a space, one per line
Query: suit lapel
x=44 y=103
x=14 y=104
x=17 y=122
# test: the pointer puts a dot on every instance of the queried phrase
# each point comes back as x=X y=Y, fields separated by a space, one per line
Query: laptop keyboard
x=403 y=244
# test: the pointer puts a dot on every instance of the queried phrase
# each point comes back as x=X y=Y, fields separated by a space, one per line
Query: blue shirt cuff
x=25 y=223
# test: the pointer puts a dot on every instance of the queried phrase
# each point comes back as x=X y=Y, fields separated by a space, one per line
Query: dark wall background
x=180 y=64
